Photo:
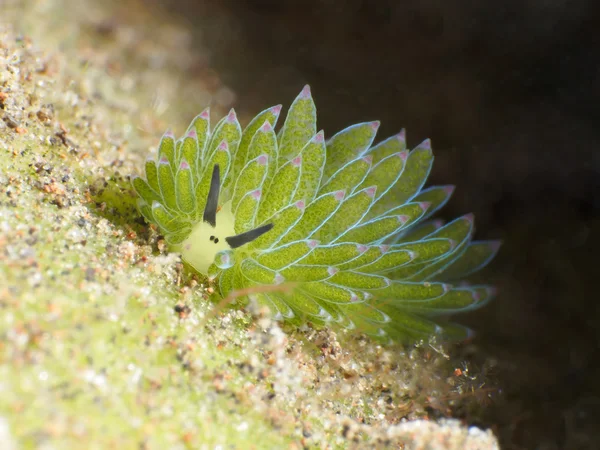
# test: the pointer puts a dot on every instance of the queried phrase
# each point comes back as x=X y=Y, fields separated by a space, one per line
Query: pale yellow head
x=215 y=233
x=205 y=241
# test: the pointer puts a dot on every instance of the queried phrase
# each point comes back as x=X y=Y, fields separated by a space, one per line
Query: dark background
x=509 y=93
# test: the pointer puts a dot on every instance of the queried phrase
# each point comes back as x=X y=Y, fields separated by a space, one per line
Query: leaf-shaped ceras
x=340 y=224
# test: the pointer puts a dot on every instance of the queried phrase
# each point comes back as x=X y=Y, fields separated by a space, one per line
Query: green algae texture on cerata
x=342 y=224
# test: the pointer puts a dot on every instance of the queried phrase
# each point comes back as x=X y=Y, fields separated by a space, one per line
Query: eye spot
x=216 y=240
x=212 y=238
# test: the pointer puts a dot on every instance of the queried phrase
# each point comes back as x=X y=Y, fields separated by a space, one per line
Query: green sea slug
x=342 y=222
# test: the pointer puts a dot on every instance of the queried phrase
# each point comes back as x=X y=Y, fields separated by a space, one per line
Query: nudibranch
x=344 y=222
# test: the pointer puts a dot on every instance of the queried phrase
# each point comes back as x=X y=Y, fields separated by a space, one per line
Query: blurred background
x=509 y=93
